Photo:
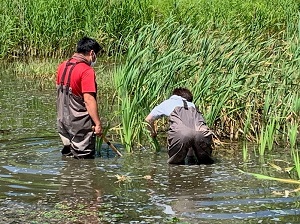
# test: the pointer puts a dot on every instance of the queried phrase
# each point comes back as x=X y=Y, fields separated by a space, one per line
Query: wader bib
x=74 y=124
x=188 y=135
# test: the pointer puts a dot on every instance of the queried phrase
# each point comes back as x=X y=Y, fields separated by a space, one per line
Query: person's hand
x=150 y=125
x=153 y=134
x=97 y=130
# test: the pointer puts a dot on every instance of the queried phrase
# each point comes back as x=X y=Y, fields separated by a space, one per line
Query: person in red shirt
x=78 y=119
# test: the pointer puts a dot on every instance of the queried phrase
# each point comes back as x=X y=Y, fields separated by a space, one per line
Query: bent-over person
x=189 y=138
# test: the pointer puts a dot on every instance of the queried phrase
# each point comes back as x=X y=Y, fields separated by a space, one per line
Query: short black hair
x=183 y=92
x=86 y=44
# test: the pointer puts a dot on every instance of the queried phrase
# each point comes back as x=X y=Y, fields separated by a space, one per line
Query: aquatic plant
x=226 y=75
x=288 y=181
x=125 y=178
x=292 y=134
x=245 y=151
x=50 y=28
x=240 y=59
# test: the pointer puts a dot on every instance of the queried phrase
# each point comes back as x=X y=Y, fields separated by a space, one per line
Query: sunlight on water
x=37 y=184
x=37 y=174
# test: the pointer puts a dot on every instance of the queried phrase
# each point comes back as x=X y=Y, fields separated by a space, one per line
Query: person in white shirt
x=189 y=138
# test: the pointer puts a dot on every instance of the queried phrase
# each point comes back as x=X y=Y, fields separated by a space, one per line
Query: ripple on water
x=218 y=193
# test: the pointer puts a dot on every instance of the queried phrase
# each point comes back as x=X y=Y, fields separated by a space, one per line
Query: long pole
x=109 y=144
x=112 y=146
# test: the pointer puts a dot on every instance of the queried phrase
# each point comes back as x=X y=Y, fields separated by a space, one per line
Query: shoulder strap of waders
x=185 y=104
x=69 y=63
x=186 y=107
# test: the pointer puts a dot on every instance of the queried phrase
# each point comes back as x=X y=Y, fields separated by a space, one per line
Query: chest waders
x=74 y=124
x=188 y=135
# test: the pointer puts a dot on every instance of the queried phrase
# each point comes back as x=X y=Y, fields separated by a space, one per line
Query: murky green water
x=39 y=186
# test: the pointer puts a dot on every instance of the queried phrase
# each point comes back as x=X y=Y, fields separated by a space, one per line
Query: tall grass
x=293 y=135
x=50 y=28
x=224 y=74
x=146 y=78
x=233 y=55
x=294 y=148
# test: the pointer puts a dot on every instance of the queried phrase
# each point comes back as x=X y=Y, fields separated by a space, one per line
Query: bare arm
x=91 y=106
x=150 y=126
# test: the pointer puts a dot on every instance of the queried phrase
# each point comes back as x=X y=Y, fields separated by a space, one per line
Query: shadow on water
x=39 y=186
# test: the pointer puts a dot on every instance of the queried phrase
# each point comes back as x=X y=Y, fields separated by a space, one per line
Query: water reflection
x=35 y=180
x=188 y=185
x=26 y=173
x=79 y=188
x=36 y=174
x=77 y=182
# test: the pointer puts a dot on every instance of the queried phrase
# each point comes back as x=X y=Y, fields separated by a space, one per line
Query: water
x=39 y=186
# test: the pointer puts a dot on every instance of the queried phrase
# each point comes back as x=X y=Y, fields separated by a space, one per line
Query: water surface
x=39 y=186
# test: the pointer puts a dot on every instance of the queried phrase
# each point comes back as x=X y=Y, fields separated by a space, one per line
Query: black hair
x=183 y=92
x=86 y=44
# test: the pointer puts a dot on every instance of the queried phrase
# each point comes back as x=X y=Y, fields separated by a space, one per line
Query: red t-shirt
x=83 y=79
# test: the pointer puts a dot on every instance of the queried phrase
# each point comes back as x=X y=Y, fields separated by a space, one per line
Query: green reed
x=246 y=131
x=224 y=74
x=296 y=160
x=245 y=151
x=50 y=28
x=292 y=133
x=230 y=54
x=267 y=136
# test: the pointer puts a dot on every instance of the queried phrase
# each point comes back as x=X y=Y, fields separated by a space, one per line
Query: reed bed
x=239 y=58
x=50 y=28
x=238 y=83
